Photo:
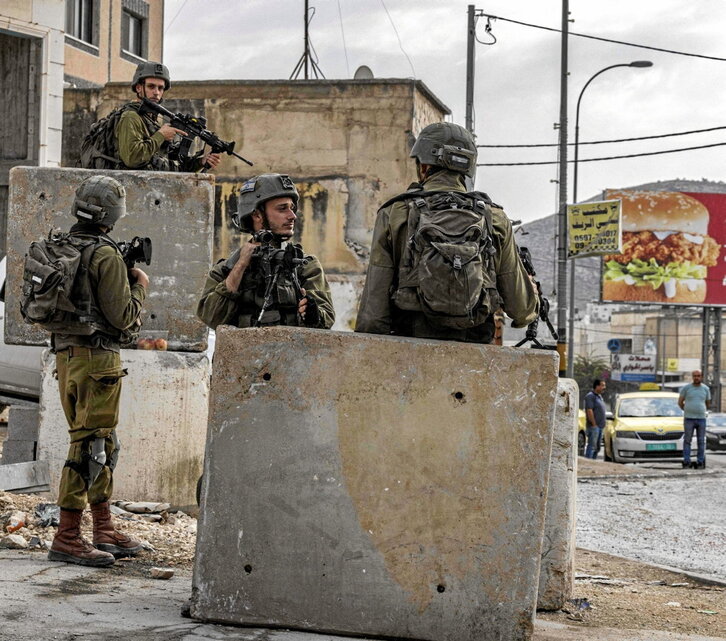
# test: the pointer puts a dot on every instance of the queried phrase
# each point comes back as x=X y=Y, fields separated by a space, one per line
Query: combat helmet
x=100 y=200
x=444 y=144
x=151 y=70
x=256 y=192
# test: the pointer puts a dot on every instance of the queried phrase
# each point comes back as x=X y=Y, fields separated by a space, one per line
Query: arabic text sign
x=633 y=367
x=593 y=228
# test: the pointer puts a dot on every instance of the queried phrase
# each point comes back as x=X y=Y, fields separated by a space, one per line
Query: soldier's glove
x=312 y=313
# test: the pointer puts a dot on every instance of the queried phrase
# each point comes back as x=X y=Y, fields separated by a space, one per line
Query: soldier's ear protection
x=89 y=212
x=455 y=158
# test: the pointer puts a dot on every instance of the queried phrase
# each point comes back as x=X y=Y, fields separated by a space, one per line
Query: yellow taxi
x=581 y=434
x=646 y=426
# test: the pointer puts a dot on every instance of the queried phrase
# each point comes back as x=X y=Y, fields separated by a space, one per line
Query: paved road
x=42 y=601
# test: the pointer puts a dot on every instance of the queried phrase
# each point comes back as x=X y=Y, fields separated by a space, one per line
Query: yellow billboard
x=593 y=229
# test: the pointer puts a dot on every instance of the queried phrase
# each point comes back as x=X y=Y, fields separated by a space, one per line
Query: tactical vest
x=256 y=288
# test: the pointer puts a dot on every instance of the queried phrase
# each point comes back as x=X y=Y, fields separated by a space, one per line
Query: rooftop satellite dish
x=363 y=73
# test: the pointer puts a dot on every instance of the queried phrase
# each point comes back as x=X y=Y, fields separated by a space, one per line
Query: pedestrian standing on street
x=695 y=400
x=595 y=415
x=107 y=297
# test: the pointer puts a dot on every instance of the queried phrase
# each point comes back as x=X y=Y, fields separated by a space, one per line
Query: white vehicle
x=19 y=364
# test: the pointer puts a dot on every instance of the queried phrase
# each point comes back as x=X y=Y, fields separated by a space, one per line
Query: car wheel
x=581 y=443
x=605 y=456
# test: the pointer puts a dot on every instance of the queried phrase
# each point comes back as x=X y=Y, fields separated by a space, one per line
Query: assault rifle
x=136 y=250
x=273 y=262
x=544 y=306
x=195 y=127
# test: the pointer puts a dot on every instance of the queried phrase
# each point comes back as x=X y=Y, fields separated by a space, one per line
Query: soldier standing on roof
x=125 y=139
x=443 y=259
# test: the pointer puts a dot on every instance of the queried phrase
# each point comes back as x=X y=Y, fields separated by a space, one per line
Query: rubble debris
x=15 y=521
x=673 y=604
x=162 y=573
x=47 y=514
x=143 y=507
x=13 y=542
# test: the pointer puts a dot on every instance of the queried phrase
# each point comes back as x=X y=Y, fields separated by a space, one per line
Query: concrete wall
x=344 y=142
x=161 y=427
x=174 y=210
x=556 y=577
x=43 y=19
x=374 y=486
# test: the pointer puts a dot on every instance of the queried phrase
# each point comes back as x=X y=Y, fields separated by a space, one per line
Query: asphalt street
x=44 y=601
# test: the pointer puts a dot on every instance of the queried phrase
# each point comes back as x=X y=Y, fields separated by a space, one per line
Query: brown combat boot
x=106 y=538
x=70 y=547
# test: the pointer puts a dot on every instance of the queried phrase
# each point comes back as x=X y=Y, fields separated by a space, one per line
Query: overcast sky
x=517 y=97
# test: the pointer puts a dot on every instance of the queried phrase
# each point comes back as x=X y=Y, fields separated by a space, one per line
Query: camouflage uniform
x=139 y=144
x=378 y=315
x=219 y=306
x=89 y=374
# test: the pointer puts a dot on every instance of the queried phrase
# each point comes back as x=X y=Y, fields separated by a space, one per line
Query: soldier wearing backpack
x=89 y=317
x=443 y=260
x=126 y=139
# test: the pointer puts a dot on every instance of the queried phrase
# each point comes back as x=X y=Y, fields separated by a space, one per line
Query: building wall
x=96 y=64
x=43 y=19
x=345 y=143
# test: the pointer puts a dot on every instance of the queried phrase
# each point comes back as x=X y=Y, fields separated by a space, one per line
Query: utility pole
x=711 y=354
x=562 y=216
x=307 y=59
x=470 y=59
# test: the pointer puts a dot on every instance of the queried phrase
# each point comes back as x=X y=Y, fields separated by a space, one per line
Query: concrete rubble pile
x=28 y=522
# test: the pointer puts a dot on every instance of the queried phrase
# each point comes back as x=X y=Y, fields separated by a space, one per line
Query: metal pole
x=307 y=42
x=562 y=216
x=470 y=59
x=571 y=315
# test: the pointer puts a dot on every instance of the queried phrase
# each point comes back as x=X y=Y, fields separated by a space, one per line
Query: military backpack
x=98 y=149
x=447 y=268
x=57 y=294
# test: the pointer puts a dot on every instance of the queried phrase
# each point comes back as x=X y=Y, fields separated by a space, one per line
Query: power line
x=400 y=44
x=345 y=47
x=618 y=42
x=176 y=15
x=555 y=162
x=603 y=142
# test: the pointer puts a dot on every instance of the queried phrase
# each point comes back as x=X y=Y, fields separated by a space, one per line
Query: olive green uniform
x=141 y=146
x=89 y=377
x=378 y=315
x=219 y=306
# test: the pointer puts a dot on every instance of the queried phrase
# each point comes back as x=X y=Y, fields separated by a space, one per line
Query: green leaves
x=640 y=272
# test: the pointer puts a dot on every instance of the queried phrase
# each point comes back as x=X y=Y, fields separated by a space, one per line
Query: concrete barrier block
x=374 y=486
x=23 y=423
x=18 y=452
x=162 y=426
x=558 y=546
x=174 y=210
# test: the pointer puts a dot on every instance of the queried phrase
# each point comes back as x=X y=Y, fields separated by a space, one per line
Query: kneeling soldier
x=267 y=281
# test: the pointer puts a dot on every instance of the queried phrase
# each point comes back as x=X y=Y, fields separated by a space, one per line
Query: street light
x=571 y=320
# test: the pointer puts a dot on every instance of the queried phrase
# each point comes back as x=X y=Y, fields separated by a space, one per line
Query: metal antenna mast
x=307 y=59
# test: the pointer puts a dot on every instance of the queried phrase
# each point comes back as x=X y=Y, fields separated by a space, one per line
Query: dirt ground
x=614 y=592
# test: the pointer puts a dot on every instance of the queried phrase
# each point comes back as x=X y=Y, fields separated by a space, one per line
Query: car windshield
x=716 y=420
x=650 y=407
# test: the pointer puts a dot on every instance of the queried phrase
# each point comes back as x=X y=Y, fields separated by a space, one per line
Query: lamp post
x=571 y=319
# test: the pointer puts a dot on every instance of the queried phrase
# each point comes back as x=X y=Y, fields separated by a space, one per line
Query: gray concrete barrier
x=20 y=444
x=174 y=210
x=558 y=546
x=374 y=486
x=162 y=426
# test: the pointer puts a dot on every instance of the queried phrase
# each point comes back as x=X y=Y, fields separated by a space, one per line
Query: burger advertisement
x=671 y=249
